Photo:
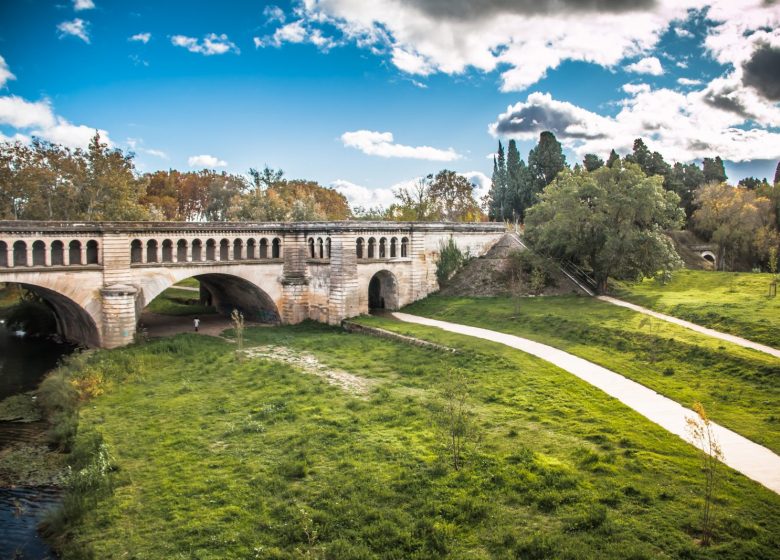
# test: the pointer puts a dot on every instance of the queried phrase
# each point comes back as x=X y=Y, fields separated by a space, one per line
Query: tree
x=685 y=179
x=266 y=178
x=777 y=174
x=735 y=219
x=703 y=436
x=456 y=418
x=497 y=197
x=752 y=183
x=613 y=158
x=546 y=160
x=611 y=220
x=591 y=162
x=714 y=171
x=414 y=202
x=452 y=197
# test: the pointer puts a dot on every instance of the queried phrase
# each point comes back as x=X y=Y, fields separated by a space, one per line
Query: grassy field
x=215 y=458
x=179 y=302
x=740 y=388
x=732 y=302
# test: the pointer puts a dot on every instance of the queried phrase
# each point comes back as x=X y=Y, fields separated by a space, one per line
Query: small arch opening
x=181 y=250
x=136 y=252
x=57 y=253
x=151 y=251
x=311 y=247
x=276 y=248
x=3 y=254
x=39 y=253
x=251 y=247
x=263 y=248
x=74 y=252
x=20 y=253
x=359 y=247
x=197 y=250
x=211 y=250
x=393 y=247
x=321 y=247
x=383 y=248
x=224 y=250
x=383 y=291
x=238 y=249
x=405 y=247
x=92 y=252
x=371 y=248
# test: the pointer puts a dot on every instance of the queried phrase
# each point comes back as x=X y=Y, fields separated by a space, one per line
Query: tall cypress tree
x=714 y=172
x=546 y=160
x=777 y=174
x=613 y=157
x=514 y=178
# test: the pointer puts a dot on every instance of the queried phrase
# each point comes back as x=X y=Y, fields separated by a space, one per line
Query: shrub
x=450 y=260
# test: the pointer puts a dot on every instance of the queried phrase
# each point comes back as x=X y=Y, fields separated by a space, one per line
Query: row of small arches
x=196 y=251
x=56 y=253
x=319 y=249
x=370 y=250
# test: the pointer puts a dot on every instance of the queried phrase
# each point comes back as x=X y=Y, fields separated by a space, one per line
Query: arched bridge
x=98 y=276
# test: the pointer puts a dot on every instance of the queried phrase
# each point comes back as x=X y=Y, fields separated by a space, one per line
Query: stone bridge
x=98 y=276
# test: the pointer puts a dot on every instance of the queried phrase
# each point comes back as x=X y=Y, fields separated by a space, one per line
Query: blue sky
x=368 y=95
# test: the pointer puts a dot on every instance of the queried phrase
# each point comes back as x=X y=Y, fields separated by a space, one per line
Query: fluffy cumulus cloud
x=79 y=5
x=76 y=28
x=211 y=44
x=274 y=13
x=37 y=118
x=382 y=144
x=648 y=65
x=364 y=197
x=206 y=160
x=5 y=72
x=141 y=37
x=682 y=126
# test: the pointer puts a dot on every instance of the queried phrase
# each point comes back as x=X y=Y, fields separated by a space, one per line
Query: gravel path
x=749 y=458
x=694 y=327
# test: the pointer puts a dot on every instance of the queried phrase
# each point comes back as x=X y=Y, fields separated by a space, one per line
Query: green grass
x=216 y=458
x=740 y=388
x=189 y=282
x=179 y=303
x=732 y=302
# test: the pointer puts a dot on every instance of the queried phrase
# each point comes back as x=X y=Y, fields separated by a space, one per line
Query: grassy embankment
x=215 y=458
x=732 y=302
x=179 y=302
x=740 y=388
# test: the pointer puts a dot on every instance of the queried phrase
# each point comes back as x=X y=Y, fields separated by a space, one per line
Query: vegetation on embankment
x=178 y=302
x=732 y=302
x=740 y=388
x=193 y=453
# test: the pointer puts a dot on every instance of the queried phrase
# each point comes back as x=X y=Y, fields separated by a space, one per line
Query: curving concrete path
x=741 y=454
x=693 y=326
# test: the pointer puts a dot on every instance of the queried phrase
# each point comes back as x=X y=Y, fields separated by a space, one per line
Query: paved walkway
x=694 y=327
x=752 y=460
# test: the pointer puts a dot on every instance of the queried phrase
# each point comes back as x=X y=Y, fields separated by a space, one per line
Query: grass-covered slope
x=732 y=302
x=216 y=458
x=740 y=388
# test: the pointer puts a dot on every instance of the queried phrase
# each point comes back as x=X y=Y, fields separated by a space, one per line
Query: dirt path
x=167 y=325
x=749 y=458
x=694 y=327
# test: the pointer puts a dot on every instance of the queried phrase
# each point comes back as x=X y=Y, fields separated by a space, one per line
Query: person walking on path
x=196 y=322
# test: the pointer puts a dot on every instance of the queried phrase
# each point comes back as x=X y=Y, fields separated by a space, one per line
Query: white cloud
x=258 y=42
x=210 y=44
x=381 y=144
x=688 y=82
x=360 y=196
x=79 y=5
x=155 y=153
x=77 y=28
x=273 y=13
x=5 y=72
x=141 y=37
x=37 y=118
x=648 y=65
x=136 y=145
x=682 y=32
x=293 y=32
x=633 y=89
x=522 y=39
x=682 y=126
x=205 y=160
x=481 y=181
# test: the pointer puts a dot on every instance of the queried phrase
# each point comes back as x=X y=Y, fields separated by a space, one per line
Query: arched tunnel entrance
x=383 y=291
x=211 y=298
x=73 y=323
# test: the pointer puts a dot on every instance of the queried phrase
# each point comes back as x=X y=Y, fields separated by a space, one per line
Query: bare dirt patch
x=310 y=364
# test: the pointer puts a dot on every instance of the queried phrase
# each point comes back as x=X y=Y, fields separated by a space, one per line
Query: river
x=23 y=364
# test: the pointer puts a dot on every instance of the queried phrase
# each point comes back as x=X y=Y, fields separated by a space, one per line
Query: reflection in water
x=23 y=364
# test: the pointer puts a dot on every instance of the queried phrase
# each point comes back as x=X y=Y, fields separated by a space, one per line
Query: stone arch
x=263 y=248
x=74 y=252
x=3 y=253
x=38 y=253
x=327 y=246
x=20 y=253
x=92 y=253
x=393 y=247
x=276 y=248
x=167 y=251
x=251 y=246
x=227 y=291
x=224 y=250
x=57 y=249
x=211 y=250
x=136 y=252
x=181 y=250
x=151 y=251
x=238 y=249
x=320 y=248
x=311 y=248
x=197 y=250
x=382 y=248
x=371 y=248
x=74 y=322
x=359 y=247
x=383 y=291
x=710 y=257
x=404 y=246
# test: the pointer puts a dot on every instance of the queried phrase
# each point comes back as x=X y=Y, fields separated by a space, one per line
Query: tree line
x=599 y=210
x=47 y=181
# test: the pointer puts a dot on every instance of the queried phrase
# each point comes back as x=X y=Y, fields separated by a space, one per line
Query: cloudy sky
x=364 y=95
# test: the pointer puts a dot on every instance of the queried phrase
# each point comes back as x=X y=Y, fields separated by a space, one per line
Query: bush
x=450 y=260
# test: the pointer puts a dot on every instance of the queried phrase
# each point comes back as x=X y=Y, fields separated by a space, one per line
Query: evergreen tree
x=777 y=174
x=592 y=162
x=546 y=160
x=752 y=183
x=714 y=172
x=514 y=172
x=613 y=157
x=685 y=179
x=497 y=205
